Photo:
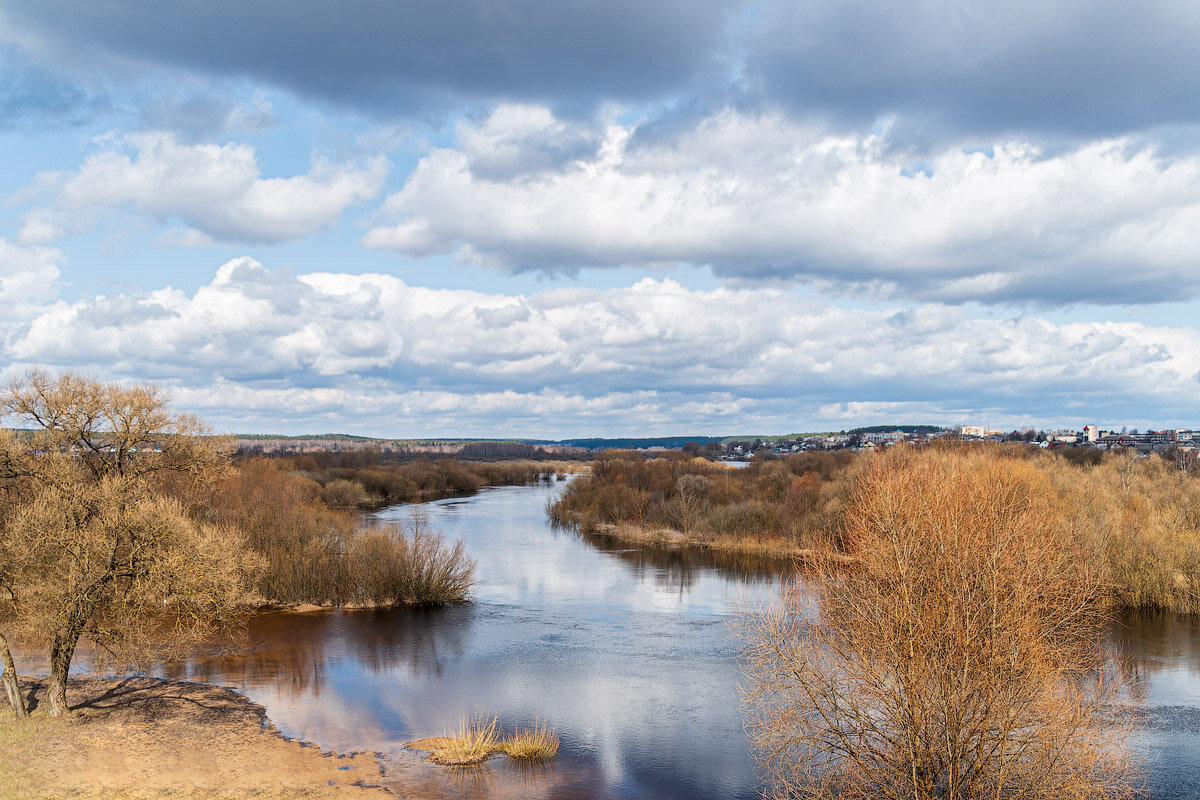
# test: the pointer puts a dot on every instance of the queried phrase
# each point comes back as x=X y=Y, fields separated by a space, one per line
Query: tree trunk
x=61 y=653
x=62 y=650
x=9 y=678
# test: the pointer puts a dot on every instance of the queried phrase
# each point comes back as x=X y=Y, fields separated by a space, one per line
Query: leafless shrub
x=409 y=564
x=959 y=658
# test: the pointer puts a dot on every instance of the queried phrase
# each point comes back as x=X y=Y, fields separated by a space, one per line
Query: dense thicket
x=313 y=553
x=1139 y=514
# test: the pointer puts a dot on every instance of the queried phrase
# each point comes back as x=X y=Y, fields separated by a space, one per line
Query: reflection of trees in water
x=677 y=569
x=298 y=651
x=1153 y=641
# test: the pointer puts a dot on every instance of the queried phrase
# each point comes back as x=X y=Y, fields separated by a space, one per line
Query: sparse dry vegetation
x=312 y=553
x=772 y=506
x=1139 y=516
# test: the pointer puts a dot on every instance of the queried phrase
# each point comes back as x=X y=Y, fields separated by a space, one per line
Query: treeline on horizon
x=1140 y=515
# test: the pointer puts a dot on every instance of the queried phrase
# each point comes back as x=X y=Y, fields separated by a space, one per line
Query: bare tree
x=90 y=544
x=690 y=491
x=958 y=658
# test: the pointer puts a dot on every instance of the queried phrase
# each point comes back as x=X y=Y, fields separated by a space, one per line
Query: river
x=627 y=652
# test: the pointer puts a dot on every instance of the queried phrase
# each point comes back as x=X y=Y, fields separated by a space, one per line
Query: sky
x=552 y=219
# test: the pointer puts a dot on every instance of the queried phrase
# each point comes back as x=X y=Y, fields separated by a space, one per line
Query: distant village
x=1090 y=436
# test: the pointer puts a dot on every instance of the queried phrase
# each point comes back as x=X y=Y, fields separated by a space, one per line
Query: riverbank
x=774 y=550
x=144 y=738
x=1136 y=517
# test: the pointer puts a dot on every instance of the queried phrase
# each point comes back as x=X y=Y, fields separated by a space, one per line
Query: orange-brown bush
x=959 y=658
x=1142 y=516
x=789 y=501
x=391 y=565
x=315 y=554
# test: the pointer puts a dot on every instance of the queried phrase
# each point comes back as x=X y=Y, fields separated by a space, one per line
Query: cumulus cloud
x=217 y=191
x=341 y=348
x=761 y=197
x=28 y=278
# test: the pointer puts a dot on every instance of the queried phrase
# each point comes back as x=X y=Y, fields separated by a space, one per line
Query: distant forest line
x=470 y=447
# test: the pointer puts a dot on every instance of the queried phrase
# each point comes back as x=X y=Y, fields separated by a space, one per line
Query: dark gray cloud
x=1069 y=67
x=1066 y=68
x=203 y=114
x=406 y=55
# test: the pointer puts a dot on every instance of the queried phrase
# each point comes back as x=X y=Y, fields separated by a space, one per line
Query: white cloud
x=28 y=276
x=369 y=352
x=765 y=197
x=217 y=190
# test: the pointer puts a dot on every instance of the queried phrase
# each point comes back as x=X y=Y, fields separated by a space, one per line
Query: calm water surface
x=626 y=652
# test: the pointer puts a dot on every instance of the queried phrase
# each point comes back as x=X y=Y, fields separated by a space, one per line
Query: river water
x=627 y=652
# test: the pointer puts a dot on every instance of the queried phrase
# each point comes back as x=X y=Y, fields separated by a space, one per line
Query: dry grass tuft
x=538 y=743
x=474 y=742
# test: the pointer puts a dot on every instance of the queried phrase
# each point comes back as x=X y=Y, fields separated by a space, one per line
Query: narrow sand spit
x=148 y=738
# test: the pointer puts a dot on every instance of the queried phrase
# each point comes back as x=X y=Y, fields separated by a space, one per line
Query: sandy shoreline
x=150 y=738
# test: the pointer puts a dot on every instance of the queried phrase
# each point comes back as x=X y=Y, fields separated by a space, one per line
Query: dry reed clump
x=959 y=657
x=538 y=743
x=478 y=739
x=474 y=742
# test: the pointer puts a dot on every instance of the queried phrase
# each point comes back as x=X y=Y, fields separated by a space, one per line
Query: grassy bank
x=765 y=549
x=1139 y=516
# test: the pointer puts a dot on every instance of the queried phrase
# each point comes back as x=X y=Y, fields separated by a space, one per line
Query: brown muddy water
x=627 y=652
